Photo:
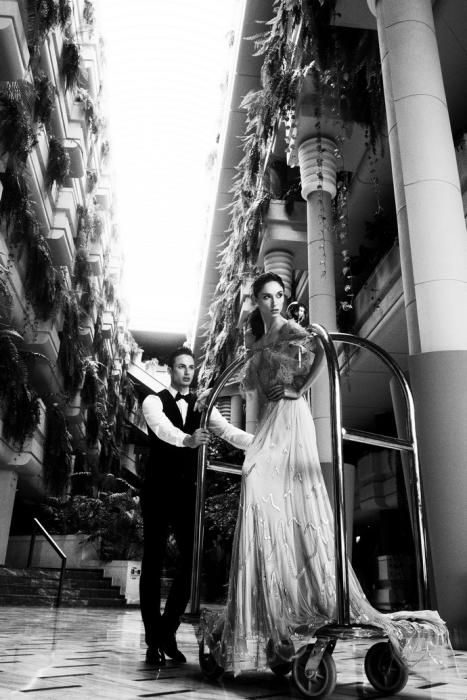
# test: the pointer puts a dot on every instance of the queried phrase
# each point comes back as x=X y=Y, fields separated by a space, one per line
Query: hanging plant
x=43 y=283
x=92 y=383
x=14 y=198
x=82 y=269
x=95 y=418
x=89 y=108
x=64 y=14
x=88 y=297
x=70 y=65
x=6 y=300
x=91 y=180
x=105 y=150
x=86 y=225
x=58 y=164
x=48 y=16
x=18 y=402
x=43 y=17
x=58 y=451
x=109 y=291
x=17 y=132
x=70 y=354
x=88 y=12
x=45 y=98
x=97 y=227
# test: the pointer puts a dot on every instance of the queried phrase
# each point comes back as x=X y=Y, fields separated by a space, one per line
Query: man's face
x=182 y=372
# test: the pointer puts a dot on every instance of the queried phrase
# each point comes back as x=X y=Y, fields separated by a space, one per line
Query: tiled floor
x=93 y=654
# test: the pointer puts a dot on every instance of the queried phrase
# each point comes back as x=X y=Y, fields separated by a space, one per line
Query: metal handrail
x=338 y=434
x=37 y=525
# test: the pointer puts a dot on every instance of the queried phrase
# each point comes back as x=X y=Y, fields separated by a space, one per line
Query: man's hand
x=281 y=391
x=199 y=437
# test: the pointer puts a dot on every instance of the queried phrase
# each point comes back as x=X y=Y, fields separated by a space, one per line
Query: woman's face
x=270 y=301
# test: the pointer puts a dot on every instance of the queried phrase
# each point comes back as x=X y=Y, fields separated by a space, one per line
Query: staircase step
x=38 y=586
x=42 y=588
x=50 y=600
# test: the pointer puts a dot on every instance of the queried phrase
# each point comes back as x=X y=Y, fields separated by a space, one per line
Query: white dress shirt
x=168 y=432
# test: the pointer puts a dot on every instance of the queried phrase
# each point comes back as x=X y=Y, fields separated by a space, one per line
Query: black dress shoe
x=170 y=649
x=155 y=656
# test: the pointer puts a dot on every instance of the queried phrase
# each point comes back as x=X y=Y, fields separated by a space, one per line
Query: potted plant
x=58 y=165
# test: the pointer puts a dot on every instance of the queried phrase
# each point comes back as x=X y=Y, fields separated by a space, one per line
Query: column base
x=439 y=381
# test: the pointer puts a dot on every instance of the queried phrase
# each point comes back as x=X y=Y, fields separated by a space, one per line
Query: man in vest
x=168 y=497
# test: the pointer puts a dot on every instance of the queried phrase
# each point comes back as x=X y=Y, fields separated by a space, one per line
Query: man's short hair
x=182 y=350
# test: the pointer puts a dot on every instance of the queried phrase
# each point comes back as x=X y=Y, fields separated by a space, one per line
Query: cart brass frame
x=342 y=628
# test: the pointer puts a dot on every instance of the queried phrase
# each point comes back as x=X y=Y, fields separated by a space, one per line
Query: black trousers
x=165 y=506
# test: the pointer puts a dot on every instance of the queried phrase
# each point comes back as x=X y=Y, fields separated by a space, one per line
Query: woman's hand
x=283 y=391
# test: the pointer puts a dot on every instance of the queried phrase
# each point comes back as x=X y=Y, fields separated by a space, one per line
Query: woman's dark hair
x=255 y=321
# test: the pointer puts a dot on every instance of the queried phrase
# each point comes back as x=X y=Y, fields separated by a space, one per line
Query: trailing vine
x=17 y=130
x=70 y=64
x=70 y=355
x=19 y=403
x=300 y=41
x=58 y=451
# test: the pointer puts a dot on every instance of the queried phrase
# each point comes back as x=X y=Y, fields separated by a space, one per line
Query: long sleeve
x=159 y=423
x=228 y=432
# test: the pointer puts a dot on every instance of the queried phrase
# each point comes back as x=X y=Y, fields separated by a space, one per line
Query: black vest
x=170 y=465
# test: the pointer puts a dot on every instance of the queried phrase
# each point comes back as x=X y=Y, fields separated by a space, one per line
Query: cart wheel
x=319 y=684
x=277 y=657
x=209 y=666
x=384 y=671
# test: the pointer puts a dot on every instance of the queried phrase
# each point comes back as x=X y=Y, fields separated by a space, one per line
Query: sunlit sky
x=165 y=65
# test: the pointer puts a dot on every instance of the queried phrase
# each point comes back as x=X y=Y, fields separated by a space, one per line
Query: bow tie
x=179 y=396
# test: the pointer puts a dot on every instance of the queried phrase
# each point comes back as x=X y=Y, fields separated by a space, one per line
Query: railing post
x=31 y=545
x=342 y=563
x=201 y=489
x=58 y=599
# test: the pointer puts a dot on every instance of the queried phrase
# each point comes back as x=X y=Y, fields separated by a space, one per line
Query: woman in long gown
x=282 y=577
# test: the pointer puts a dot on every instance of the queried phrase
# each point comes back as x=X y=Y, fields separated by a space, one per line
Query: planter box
x=126 y=574
x=80 y=554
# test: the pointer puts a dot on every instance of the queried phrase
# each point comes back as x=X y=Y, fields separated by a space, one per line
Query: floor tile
x=99 y=654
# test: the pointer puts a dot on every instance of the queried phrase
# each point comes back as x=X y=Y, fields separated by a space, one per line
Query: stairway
x=38 y=586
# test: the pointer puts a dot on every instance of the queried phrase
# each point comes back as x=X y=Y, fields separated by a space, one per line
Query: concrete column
x=433 y=245
x=281 y=262
x=8 y=481
x=318 y=173
x=236 y=411
x=223 y=406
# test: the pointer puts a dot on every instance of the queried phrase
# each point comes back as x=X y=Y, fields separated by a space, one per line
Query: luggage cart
x=313 y=667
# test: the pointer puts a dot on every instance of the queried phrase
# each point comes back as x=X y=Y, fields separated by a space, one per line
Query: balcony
x=14 y=54
x=76 y=415
x=28 y=462
x=45 y=340
x=108 y=324
x=286 y=232
x=96 y=258
x=104 y=193
x=66 y=202
x=60 y=241
x=86 y=332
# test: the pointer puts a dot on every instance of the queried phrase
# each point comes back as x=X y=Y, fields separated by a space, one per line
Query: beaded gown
x=282 y=577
